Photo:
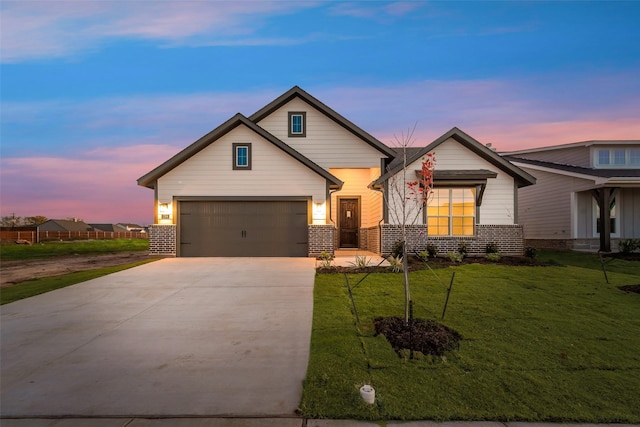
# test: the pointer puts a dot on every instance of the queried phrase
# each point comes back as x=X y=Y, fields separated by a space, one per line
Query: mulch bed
x=416 y=264
x=630 y=288
x=425 y=336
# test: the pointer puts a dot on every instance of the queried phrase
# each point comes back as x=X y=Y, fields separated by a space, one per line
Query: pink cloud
x=99 y=187
x=509 y=114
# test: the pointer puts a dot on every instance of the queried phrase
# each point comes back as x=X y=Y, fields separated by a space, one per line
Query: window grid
x=297 y=124
x=241 y=156
x=617 y=157
x=451 y=212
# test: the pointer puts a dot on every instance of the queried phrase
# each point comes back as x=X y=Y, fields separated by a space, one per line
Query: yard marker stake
x=355 y=310
x=444 y=310
x=604 y=270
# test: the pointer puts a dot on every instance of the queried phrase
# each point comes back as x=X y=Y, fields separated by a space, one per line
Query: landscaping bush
x=491 y=248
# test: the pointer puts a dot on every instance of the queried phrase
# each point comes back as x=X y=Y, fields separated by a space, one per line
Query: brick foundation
x=509 y=239
x=416 y=237
x=592 y=244
x=162 y=239
x=321 y=239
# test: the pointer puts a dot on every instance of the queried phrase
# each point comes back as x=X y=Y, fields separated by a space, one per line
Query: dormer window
x=606 y=158
x=297 y=124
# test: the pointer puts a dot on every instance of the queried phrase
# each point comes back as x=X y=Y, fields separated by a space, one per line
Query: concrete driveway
x=177 y=337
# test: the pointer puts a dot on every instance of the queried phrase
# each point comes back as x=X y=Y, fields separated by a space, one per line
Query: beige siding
x=210 y=172
x=498 y=205
x=545 y=208
x=630 y=213
x=576 y=156
x=326 y=143
x=355 y=185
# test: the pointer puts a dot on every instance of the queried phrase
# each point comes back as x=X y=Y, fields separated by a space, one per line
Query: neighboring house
x=108 y=228
x=296 y=178
x=64 y=225
x=135 y=228
x=587 y=194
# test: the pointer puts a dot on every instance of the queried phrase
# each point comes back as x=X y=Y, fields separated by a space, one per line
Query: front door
x=349 y=223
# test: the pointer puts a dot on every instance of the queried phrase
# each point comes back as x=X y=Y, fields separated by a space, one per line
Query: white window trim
x=451 y=216
x=303 y=118
x=236 y=147
x=627 y=158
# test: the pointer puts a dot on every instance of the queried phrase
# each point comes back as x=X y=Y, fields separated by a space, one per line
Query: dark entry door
x=243 y=228
x=349 y=223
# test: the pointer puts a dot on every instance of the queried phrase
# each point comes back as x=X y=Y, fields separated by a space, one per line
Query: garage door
x=243 y=228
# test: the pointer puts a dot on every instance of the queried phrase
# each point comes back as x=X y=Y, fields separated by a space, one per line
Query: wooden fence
x=42 y=236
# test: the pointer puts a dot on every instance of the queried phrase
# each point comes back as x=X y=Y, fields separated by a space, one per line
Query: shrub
x=360 y=262
x=455 y=256
x=493 y=256
x=424 y=255
x=463 y=248
x=628 y=246
x=491 y=248
x=397 y=249
x=396 y=264
x=325 y=259
x=530 y=252
x=432 y=250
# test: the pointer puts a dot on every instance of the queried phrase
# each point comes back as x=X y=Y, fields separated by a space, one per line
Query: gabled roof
x=65 y=225
x=149 y=180
x=522 y=178
x=296 y=91
x=108 y=228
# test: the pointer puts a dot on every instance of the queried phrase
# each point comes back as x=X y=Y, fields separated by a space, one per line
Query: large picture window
x=452 y=212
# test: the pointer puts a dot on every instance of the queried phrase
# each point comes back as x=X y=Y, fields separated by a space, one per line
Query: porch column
x=603 y=197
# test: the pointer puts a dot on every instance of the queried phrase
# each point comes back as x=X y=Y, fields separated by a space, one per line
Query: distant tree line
x=22 y=221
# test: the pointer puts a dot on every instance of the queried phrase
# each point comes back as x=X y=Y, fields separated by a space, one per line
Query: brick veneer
x=509 y=239
x=321 y=239
x=162 y=239
x=416 y=237
x=370 y=239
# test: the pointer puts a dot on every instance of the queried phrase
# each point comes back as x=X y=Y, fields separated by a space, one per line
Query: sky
x=96 y=93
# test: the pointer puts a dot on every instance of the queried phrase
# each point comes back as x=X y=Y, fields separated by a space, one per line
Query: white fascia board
x=557 y=171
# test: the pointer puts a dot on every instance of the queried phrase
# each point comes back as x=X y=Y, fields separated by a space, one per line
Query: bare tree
x=406 y=198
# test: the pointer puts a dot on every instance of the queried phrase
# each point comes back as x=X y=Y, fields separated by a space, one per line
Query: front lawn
x=75 y=247
x=553 y=343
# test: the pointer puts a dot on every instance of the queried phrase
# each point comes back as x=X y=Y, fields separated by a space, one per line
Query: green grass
x=39 y=286
x=82 y=247
x=554 y=344
x=589 y=260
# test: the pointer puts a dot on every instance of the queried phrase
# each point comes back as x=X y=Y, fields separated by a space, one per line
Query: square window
x=634 y=157
x=297 y=124
x=241 y=156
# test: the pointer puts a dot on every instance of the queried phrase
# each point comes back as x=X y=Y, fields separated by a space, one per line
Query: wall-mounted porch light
x=164 y=212
x=319 y=213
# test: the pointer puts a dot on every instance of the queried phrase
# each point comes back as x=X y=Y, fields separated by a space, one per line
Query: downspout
x=384 y=215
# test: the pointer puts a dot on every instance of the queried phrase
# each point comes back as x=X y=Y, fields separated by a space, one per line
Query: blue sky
x=97 y=93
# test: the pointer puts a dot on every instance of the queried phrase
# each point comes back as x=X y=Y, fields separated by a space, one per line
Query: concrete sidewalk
x=267 y=422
